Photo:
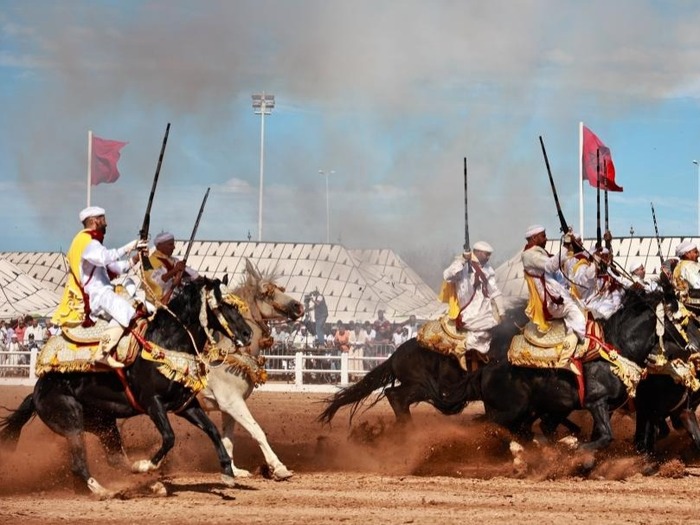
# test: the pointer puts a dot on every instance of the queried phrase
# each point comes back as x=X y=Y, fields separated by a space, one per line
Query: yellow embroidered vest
x=71 y=309
x=153 y=290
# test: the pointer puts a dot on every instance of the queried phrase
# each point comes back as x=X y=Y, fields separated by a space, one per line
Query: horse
x=659 y=396
x=230 y=385
x=514 y=397
x=75 y=402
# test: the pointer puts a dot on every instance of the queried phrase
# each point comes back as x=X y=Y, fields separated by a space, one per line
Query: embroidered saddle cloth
x=442 y=336
x=77 y=349
x=551 y=349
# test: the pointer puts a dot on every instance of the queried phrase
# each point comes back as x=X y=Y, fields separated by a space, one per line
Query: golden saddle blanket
x=442 y=336
x=551 y=349
x=76 y=349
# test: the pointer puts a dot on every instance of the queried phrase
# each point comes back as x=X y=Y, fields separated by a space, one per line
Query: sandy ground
x=442 y=470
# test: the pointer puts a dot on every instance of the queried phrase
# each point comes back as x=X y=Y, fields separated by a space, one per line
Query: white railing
x=288 y=369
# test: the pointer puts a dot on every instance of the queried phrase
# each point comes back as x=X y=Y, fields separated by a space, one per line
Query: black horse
x=514 y=397
x=72 y=403
x=660 y=397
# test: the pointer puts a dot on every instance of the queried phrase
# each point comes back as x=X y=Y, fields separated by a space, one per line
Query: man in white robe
x=549 y=299
x=480 y=299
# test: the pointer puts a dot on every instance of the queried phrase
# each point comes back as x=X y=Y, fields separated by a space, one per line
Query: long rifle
x=143 y=233
x=608 y=237
x=467 y=245
x=178 y=277
x=599 y=236
x=196 y=225
x=656 y=230
x=562 y=221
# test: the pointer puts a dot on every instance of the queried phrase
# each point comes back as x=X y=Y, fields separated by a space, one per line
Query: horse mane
x=186 y=306
x=632 y=329
x=250 y=281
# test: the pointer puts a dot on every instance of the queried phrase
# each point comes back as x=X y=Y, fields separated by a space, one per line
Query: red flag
x=105 y=155
x=591 y=146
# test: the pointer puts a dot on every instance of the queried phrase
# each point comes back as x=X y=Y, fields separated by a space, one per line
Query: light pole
x=262 y=104
x=698 y=165
x=328 y=213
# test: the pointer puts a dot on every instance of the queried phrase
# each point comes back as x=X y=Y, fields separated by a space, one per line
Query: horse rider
x=168 y=273
x=686 y=274
x=637 y=272
x=479 y=298
x=548 y=298
x=88 y=292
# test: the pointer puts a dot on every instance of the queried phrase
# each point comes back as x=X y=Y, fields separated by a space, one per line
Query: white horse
x=232 y=383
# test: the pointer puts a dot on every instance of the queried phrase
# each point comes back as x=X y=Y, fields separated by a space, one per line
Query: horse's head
x=269 y=298
x=224 y=311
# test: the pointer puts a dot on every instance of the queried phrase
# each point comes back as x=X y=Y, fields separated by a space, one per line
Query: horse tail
x=377 y=378
x=11 y=426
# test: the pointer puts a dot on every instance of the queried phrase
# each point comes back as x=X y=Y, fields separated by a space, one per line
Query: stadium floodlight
x=262 y=105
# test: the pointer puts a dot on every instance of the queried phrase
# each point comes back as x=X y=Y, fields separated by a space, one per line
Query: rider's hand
x=142 y=245
x=467 y=256
x=128 y=247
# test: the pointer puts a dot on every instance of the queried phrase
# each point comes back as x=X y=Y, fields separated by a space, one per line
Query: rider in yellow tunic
x=88 y=293
x=167 y=272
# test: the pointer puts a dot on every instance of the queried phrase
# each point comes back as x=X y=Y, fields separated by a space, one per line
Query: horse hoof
x=649 y=469
x=281 y=473
x=241 y=473
x=98 y=490
x=143 y=465
x=571 y=442
x=158 y=489
x=227 y=480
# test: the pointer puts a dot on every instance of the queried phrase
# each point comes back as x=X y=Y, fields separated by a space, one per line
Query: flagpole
x=580 y=179
x=89 y=170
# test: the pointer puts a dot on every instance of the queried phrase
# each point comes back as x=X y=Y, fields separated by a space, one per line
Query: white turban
x=91 y=211
x=163 y=237
x=685 y=247
x=533 y=230
x=483 y=247
x=634 y=267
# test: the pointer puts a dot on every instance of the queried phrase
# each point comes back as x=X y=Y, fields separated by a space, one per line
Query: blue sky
x=389 y=95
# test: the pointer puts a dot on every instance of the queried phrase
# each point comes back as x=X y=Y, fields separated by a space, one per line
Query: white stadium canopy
x=355 y=283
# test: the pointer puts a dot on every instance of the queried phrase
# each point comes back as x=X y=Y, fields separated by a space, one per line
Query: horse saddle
x=78 y=348
x=442 y=336
x=551 y=349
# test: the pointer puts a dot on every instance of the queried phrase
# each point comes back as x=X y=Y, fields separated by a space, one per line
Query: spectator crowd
x=18 y=337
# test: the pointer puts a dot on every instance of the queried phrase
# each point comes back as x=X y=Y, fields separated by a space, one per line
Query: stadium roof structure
x=22 y=295
x=625 y=250
x=355 y=283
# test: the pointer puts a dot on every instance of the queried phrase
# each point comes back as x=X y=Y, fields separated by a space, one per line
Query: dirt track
x=445 y=470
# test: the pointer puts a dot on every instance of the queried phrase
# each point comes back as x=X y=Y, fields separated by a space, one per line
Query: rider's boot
x=108 y=341
x=460 y=353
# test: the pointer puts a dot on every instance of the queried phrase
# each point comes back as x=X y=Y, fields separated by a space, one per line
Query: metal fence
x=289 y=369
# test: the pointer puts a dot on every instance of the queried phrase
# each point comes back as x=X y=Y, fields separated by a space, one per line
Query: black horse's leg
x=159 y=417
x=602 y=429
x=400 y=398
x=645 y=433
x=196 y=415
x=105 y=428
x=690 y=422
